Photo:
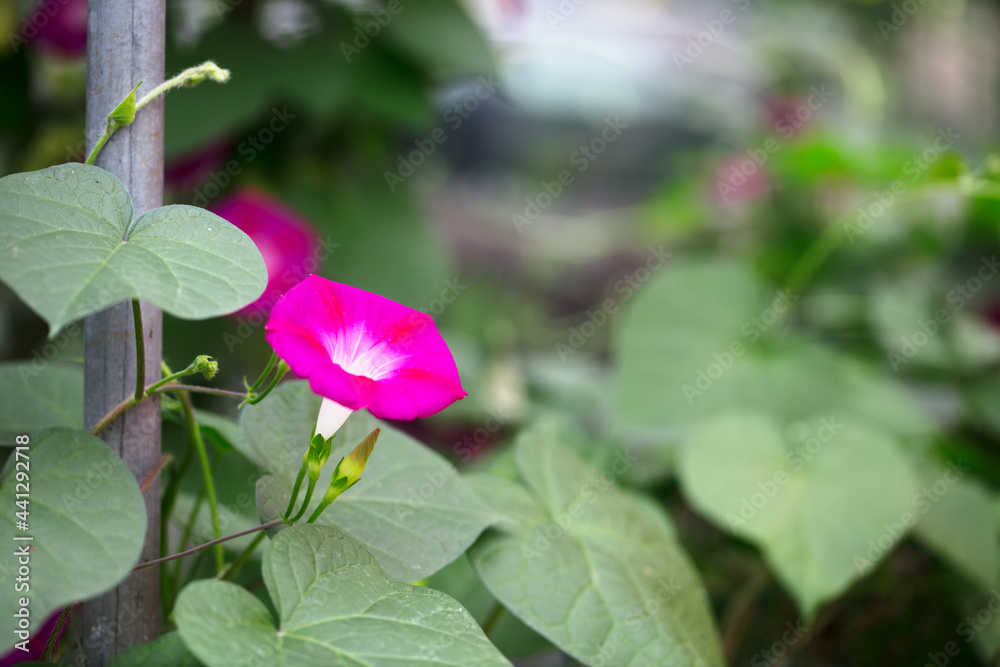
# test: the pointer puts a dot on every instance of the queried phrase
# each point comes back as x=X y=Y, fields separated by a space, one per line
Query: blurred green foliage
x=855 y=279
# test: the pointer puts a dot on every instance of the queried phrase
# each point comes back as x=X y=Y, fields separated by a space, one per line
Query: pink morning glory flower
x=740 y=179
x=361 y=350
x=287 y=242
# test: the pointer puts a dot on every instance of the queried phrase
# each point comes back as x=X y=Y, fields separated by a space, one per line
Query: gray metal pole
x=125 y=45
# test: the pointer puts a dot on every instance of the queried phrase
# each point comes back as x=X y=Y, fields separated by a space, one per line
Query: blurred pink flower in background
x=742 y=177
x=288 y=243
x=61 y=25
x=788 y=114
x=185 y=172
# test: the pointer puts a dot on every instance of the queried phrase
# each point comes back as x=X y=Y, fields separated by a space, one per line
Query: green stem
x=295 y=490
x=190 y=370
x=189 y=77
x=127 y=403
x=491 y=621
x=199 y=390
x=99 y=145
x=233 y=568
x=195 y=434
x=319 y=509
x=185 y=537
x=739 y=611
x=831 y=238
x=53 y=642
x=263 y=376
x=280 y=373
x=112 y=415
x=305 y=503
x=140 y=351
x=173 y=487
x=154 y=472
x=214 y=543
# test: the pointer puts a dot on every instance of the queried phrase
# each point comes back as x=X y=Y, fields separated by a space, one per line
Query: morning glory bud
x=348 y=472
x=205 y=365
x=317 y=455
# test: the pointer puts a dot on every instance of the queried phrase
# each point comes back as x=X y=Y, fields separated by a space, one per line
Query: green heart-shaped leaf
x=69 y=247
x=36 y=398
x=412 y=509
x=595 y=570
x=165 y=651
x=958 y=522
x=85 y=515
x=692 y=345
x=824 y=511
x=507 y=632
x=335 y=607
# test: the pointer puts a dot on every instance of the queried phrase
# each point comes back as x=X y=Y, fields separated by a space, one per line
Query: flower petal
x=363 y=350
x=332 y=416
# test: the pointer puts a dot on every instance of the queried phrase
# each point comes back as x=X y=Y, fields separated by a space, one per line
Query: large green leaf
x=823 y=509
x=695 y=342
x=681 y=322
x=913 y=331
x=507 y=631
x=36 y=398
x=958 y=522
x=165 y=651
x=335 y=607
x=85 y=515
x=597 y=571
x=411 y=509
x=69 y=247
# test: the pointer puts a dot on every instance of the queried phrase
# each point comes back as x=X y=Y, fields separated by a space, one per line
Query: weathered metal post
x=125 y=45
